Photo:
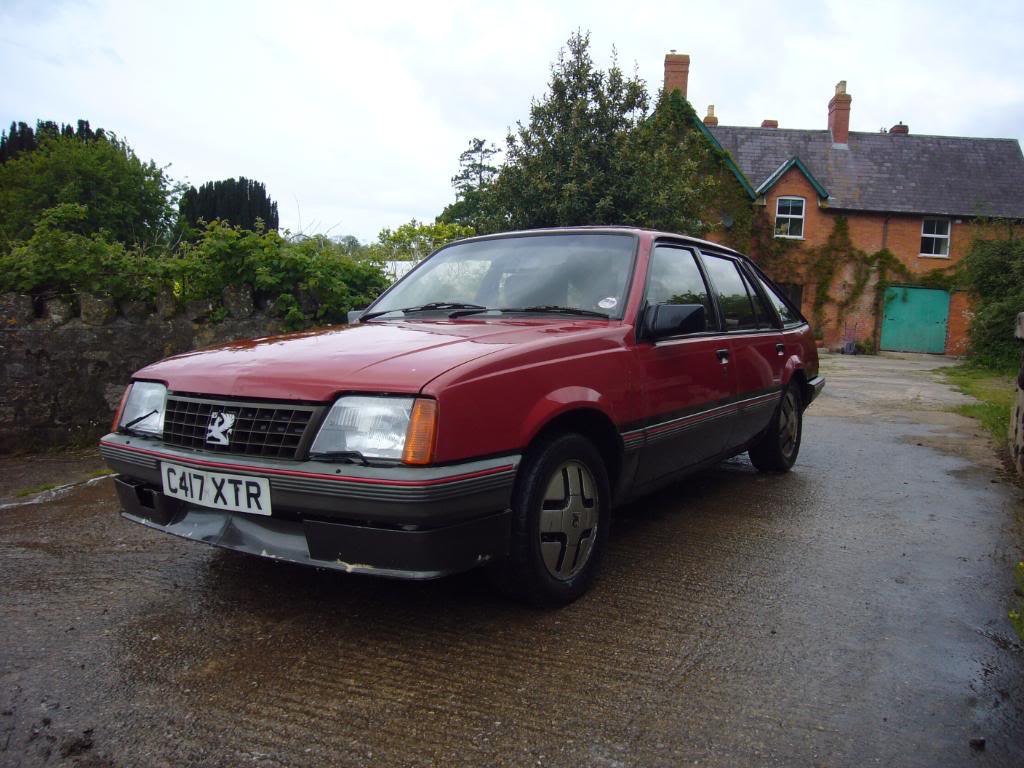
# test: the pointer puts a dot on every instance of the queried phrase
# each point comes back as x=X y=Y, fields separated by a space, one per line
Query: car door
x=756 y=346
x=687 y=379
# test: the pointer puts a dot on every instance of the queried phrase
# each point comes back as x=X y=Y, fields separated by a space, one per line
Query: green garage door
x=915 y=320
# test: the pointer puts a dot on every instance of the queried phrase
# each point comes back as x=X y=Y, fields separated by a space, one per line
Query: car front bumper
x=404 y=522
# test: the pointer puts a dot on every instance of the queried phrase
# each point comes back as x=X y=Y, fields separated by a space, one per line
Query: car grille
x=259 y=429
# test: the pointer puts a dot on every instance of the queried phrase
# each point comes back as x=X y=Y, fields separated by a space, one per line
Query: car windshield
x=578 y=273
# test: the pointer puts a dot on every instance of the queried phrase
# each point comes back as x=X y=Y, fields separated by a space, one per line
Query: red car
x=489 y=409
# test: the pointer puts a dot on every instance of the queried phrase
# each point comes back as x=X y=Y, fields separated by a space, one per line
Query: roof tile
x=950 y=175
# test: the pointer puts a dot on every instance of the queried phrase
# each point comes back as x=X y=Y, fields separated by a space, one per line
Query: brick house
x=920 y=198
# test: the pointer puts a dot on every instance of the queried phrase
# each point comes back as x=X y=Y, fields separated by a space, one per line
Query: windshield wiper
x=542 y=308
x=349 y=457
x=423 y=308
x=560 y=310
x=128 y=427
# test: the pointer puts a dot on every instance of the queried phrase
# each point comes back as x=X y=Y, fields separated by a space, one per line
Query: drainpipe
x=880 y=300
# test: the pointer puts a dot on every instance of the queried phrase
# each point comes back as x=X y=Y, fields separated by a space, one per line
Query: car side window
x=673 y=277
x=786 y=312
x=732 y=294
x=765 y=316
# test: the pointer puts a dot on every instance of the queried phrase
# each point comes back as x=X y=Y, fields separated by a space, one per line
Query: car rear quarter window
x=733 y=298
x=765 y=316
x=674 y=278
x=789 y=316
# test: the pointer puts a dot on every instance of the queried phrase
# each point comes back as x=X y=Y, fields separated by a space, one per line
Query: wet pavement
x=850 y=613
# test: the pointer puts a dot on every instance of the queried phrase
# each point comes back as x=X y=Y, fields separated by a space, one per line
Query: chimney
x=769 y=123
x=900 y=129
x=709 y=118
x=677 y=72
x=839 y=114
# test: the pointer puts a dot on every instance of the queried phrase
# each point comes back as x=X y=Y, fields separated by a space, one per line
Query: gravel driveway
x=850 y=613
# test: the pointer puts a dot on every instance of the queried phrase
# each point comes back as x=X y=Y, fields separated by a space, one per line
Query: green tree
x=127 y=199
x=672 y=183
x=22 y=138
x=416 y=240
x=570 y=164
x=476 y=173
x=994 y=273
x=241 y=201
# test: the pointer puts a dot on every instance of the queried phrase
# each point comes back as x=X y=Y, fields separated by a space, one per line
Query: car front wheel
x=560 y=519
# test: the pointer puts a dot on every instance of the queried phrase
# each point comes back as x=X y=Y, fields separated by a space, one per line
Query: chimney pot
x=709 y=118
x=769 y=123
x=839 y=114
x=900 y=129
x=677 y=72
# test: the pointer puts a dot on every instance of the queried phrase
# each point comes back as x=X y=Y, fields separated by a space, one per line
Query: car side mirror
x=354 y=315
x=674 y=319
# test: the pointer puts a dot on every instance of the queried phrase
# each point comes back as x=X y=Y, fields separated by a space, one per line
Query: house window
x=789 y=217
x=935 y=237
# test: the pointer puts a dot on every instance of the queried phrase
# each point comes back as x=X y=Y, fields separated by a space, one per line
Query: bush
x=278 y=270
x=58 y=260
x=994 y=272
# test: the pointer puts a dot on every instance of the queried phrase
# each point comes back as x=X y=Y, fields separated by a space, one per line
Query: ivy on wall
x=825 y=267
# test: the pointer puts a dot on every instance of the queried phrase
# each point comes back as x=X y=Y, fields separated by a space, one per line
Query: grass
x=101 y=473
x=34 y=490
x=994 y=389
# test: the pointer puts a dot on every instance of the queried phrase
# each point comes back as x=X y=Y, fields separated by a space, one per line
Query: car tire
x=560 y=520
x=777 y=448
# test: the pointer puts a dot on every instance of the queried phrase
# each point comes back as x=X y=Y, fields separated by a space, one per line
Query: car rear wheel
x=560 y=519
x=776 y=450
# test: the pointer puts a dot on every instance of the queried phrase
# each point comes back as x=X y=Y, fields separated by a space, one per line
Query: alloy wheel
x=789 y=424
x=568 y=519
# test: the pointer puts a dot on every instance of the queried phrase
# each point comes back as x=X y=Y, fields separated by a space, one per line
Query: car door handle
x=781 y=349
x=723 y=355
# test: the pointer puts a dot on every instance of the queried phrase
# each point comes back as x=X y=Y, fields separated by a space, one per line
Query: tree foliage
x=241 y=201
x=416 y=240
x=477 y=171
x=994 y=273
x=22 y=138
x=593 y=153
x=280 y=271
x=127 y=200
x=58 y=259
x=672 y=184
x=569 y=165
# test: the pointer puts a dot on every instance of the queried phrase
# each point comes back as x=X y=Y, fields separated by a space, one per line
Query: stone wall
x=1017 y=418
x=64 y=366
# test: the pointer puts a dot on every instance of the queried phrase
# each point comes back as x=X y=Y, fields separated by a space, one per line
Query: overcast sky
x=354 y=114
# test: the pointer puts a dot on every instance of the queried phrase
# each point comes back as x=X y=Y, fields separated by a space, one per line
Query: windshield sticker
x=608 y=303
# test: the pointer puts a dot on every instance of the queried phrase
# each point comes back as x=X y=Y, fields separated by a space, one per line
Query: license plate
x=235 y=493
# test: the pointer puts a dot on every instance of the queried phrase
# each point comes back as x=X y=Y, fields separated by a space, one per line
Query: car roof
x=613 y=229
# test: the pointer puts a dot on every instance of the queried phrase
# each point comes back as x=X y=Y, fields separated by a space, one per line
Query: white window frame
x=946 y=237
x=802 y=217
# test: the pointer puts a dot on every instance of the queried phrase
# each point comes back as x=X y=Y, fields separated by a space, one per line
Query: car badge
x=219 y=430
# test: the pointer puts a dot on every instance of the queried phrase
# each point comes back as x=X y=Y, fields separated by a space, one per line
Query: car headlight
x=143 y=409
x=379 y=428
